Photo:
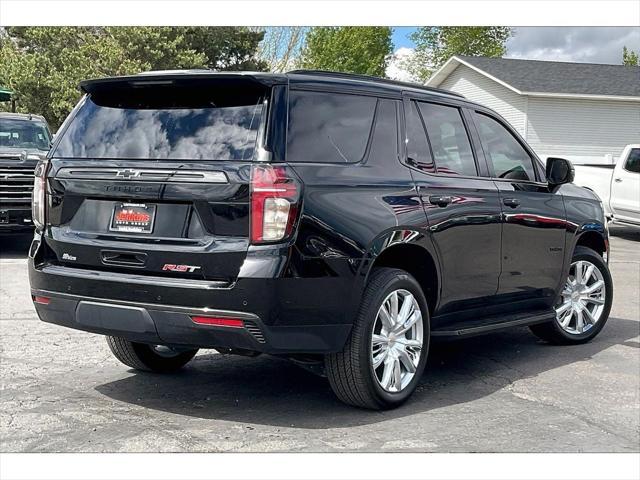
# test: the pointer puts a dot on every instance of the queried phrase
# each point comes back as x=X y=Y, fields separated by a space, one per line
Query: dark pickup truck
x=24 y=141
x=337 y=220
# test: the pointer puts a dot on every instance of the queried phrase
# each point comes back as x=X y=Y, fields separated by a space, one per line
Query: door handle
x=617 y=180
x=511 y=202
x=440 y=200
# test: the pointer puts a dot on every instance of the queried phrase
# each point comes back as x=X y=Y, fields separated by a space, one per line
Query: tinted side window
x=449 y=140
x=417 y=146
x=633 y=162
x=384 y=144
x=328 y=127
x=508 y=157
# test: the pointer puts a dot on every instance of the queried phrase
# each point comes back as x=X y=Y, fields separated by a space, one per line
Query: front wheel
x=150 y=358
x=584 y=304
x=383 y=360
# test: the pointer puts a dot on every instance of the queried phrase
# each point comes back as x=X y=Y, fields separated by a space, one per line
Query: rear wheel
x=151 y=358
x=585 y=302
x=384 y=358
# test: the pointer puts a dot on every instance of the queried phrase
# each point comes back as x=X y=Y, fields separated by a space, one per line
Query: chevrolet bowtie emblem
x=128 y=173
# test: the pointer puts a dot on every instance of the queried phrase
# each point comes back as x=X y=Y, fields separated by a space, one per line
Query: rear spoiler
x=250 y=79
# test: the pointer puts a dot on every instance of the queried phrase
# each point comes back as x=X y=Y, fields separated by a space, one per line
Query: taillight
x=41 y=300
x=39 y=194
x=275 y=196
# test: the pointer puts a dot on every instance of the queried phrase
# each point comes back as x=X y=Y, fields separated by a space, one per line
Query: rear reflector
x=41 y=300
x=220 y=322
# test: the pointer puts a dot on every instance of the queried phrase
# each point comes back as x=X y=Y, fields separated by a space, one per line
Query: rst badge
x=170 y=267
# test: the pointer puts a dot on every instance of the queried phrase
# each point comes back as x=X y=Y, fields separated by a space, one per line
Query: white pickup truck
x=618 y=186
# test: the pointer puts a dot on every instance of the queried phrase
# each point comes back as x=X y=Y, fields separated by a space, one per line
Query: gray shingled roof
x=561 y=77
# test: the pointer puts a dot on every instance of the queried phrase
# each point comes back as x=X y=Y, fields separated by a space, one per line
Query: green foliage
x=364 y=50
x=629 y=57
x=43 y=65
x=435 y=45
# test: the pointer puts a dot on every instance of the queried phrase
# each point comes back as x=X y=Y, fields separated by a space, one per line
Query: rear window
x=328 y=127
x=16 y=133
x=165 y=123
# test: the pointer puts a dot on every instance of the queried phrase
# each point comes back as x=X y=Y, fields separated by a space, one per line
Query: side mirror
x=559 y=171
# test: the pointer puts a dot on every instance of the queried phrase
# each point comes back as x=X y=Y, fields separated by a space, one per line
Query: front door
x=462 y=208
x=625 y=199
x=534 y=220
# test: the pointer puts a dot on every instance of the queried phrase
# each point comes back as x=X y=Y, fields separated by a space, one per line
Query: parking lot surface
x=62 y=391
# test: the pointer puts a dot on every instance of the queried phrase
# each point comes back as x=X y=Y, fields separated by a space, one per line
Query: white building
x=584 y=112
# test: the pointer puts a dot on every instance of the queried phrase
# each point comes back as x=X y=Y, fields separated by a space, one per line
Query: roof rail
x=371 y=78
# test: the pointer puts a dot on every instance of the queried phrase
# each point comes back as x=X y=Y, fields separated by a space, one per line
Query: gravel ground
x=62 y=391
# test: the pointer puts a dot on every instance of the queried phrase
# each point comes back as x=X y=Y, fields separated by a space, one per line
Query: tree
x=281 y=47
x=629 y=57
x=435 y=45
x=43 y=65
x=363 y=50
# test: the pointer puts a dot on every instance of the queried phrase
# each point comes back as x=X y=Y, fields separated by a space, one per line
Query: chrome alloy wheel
x=397 y=341
x=582 y=299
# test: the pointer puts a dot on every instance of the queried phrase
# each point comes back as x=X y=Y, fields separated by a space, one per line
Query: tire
x=146 y=358
x=553 y=332
x=351 y=372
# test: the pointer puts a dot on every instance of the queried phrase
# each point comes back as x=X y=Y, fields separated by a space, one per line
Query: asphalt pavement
x=62 y=391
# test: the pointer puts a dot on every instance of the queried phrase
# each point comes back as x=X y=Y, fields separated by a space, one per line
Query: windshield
x=17 y=133
x=170 y=123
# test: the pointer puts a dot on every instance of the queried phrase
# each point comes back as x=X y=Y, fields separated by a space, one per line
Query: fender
x=391 y=238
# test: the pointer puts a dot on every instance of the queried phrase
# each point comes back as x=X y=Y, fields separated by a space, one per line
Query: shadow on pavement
x=271 y=391
x=14 y=245
x=626 y=233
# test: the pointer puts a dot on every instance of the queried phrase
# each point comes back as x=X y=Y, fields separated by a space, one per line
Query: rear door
x=625 y=188
x=153 y=178
x=534 y=228
x=462 y=208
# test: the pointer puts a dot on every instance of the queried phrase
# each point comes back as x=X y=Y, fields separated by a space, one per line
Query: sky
x=567 y=44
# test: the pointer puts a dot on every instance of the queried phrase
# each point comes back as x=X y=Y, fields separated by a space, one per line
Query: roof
x=261 y=78
x=22 y=116
x=543 y=78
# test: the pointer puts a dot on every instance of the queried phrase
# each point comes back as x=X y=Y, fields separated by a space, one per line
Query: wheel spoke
x=378 y=340
x=393 y=304
x=579 y=321
x=397 y=375
x=387 y=374
x=593 y=300
x=381 y=357
x=417 y=315
x=564 y=321
x=411 y=343
x=563 y=308
x=588 y=273
x=578 y=273
x=594 y=287
x=589 y=316
x=406 y=309
x=406 y=360
x=385 y=318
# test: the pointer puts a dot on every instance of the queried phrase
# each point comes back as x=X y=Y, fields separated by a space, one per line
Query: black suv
x=337 y=220
x=24 y=141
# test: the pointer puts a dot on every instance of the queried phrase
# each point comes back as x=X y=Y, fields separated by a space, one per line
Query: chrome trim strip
x=150 y=306
x=142 y=175
x=137 y=279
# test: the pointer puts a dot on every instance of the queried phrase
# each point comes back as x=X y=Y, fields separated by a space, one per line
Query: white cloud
x=573 y=44
x=397 y=68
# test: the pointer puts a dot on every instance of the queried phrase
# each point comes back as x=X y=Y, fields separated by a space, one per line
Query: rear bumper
x=164 y=324
x=280 y=315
